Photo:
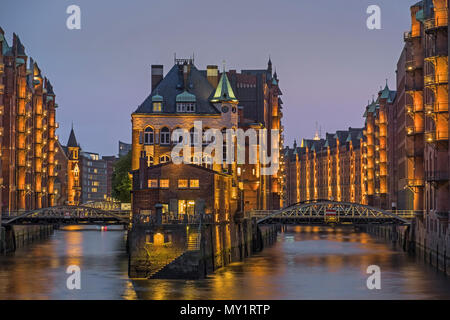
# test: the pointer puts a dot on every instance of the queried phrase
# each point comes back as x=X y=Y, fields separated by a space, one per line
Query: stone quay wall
x=427 y=245
x=15 y=237
x=177 y=257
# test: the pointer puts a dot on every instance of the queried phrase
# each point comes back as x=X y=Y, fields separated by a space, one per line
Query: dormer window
x=186 y=102
x=185 y=107
x=157 y=102
x=157 y=106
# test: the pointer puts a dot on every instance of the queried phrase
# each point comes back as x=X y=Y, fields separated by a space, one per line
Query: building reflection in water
x=305 y=263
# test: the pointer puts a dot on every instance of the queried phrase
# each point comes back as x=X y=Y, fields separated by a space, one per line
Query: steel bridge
x=70 y=215
x=326 y=212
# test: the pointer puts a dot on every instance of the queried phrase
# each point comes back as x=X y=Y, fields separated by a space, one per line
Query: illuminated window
x=157 y=106
x=182 y=183
x=149 y=161
x=148 y=136
x=186 y=207
x=194 y=184
x=94 y=190
x=164 y=183
x=153 y=183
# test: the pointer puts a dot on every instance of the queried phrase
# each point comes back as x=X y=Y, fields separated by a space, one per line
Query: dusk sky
x=328 y=62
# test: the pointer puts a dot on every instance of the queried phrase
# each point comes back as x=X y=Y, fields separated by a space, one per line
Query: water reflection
x=305 y=263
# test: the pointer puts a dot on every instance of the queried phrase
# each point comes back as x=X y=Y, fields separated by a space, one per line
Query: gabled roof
x=224 y=92
x=173 y=84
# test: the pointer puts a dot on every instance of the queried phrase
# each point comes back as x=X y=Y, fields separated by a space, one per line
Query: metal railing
x=433 y=136
x=440 y=21
x=415 y=183
x=171 y=218
x=436 y=79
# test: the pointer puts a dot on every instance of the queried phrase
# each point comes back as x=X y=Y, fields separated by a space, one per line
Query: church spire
x=72 y=140
x=269 y=66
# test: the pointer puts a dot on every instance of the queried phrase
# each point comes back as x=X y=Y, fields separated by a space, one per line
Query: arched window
x=164 y=159
x=148 y=136
x=194 y=136
x=180 y=138
x=165 y=136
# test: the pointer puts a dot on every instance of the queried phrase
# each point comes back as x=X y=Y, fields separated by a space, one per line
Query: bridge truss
x=70 y=215
x=322 y=212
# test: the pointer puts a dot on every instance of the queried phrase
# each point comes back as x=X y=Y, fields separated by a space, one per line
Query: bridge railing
x=260 y=213
x=171 y=219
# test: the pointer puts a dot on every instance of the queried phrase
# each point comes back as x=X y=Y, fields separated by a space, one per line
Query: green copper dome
x=157 y=98
x=186 y=97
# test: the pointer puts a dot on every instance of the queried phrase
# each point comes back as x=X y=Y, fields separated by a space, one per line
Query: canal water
x=305 y=263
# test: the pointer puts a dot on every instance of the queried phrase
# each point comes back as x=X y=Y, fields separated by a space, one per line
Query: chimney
x=157 y=75
x=186 y=71
x=212 y=74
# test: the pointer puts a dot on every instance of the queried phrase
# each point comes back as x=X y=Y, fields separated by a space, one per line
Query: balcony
x=436 y=79
x=436 y=136
x=429 y=109
x=436 y=107
x=440 y=21
x=437 y=176
x=441 y=106
x=411 y=130
x=411 y=88
x=410 y=109
x=408 y=36
x=414 y=183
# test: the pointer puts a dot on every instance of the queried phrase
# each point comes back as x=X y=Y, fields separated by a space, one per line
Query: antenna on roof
x=175 y=57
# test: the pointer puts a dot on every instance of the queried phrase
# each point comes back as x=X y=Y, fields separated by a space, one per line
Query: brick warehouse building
x=88 y=177
x=403 y=149
x=227 y=100
x=27 y=131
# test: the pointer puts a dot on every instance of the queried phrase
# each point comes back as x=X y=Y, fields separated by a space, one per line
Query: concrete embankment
x=193 y=251
x=15 y=237
x=428 y=245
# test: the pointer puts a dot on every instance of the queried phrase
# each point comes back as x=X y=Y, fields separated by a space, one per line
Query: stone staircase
x=176 y=267
x=193 y=242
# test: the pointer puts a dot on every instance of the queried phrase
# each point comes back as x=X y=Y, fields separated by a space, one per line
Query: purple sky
x=328 y=62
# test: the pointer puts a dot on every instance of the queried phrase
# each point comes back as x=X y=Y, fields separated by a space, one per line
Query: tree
x=121 y=182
